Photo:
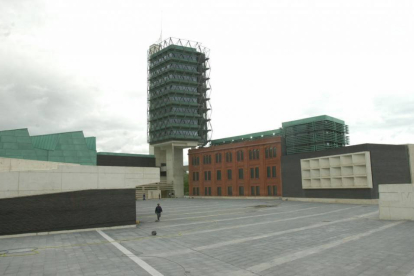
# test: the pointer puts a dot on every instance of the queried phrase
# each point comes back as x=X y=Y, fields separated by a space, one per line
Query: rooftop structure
x=69 y=147
x=247 y=137
x=315 y=134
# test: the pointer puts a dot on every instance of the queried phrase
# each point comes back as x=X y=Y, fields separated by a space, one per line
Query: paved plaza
x=225 y=237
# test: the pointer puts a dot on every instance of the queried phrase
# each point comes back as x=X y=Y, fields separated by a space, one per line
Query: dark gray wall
x=125 y=161
x=66 y=211
x=389 y=164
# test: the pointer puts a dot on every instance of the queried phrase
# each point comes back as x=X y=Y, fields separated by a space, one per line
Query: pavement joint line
x=223 y=214
x=238 y=218
x=260 y=223
x=144 y=265
x=237 y=241
x=209 y=211
x=295 y=203
x=316 y=249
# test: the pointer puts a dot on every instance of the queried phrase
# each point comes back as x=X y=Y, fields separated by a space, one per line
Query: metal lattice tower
x=178 y=92
x=315 y=134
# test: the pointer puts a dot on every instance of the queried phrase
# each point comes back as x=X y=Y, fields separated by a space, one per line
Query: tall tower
x=178 y=104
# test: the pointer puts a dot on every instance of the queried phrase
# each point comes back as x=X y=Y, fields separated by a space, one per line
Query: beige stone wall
x=26 y=177
x=396 y=201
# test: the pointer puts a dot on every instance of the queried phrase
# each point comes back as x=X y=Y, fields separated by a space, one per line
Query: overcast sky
x=81 y=65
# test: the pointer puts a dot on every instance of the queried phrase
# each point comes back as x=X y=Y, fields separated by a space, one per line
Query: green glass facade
x=178 y=92
x=315 y=134
x=70 y=147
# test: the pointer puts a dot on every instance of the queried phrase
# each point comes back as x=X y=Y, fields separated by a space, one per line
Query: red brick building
x=245 y=168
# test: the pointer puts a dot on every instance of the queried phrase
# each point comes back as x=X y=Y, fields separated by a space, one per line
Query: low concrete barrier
x=396 y=201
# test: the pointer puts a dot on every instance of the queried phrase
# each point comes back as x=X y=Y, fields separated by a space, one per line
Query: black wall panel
x=389 y=164
x=66 y=211
x=125 y=161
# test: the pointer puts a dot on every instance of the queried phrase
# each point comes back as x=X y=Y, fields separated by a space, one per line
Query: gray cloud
x=45 y=100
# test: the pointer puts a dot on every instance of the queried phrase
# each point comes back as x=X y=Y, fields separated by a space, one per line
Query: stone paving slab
x=225 y=237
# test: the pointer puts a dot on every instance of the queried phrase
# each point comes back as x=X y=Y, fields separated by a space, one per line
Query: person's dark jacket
x=158 y=209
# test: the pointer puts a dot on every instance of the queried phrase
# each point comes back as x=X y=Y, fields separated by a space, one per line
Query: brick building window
x=195 y=160
x=241 y=191
x=218 y=157
x=218 y=175
x=272 y=190
x=251 y=173
x=257 y=190
x=256 y=172
x=229 y=174
x=207 y=175
x=270 y=152
x=219 y=191
x=195 y=176
x=241 y=176
x=229 y=190
x=271 y=172
x=229 y=157
x=252 y=190
x=207 y=159
x=254 y=154
x=240 y=156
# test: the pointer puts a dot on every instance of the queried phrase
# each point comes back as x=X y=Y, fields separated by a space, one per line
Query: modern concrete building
x=178 y=104
x=56 y=182
x=247 y=165
x=353 y=172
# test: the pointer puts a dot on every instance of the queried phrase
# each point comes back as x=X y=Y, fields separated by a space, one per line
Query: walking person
x=158 y=211
x=143 y=196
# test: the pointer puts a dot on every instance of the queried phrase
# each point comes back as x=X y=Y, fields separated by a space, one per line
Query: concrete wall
x=411 y=156
x=396 y=202
x=26 y=177
x=389 y=165
x=67 y=211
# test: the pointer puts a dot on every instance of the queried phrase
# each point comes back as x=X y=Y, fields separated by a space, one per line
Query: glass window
x=209 y=175
x=218 y=175
x=229 y=174
x=230 y=191
x=241 y=155
x=274 y=171
x=252 y=191
x=252 y=173
x=274 y=151
x=250 y=154
x=241 y=174
x=205 y=175
x=269 y=190
x=241 y=191
x=219 y=191
x=257 y=172
x=205 y=191
x=267 y=152
x=274 y=190
x=268 y=172
x=209 y=191
x=257 y=190
x=198 y=191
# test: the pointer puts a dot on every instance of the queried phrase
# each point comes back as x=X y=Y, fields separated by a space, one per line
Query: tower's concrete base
x=171 y=154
